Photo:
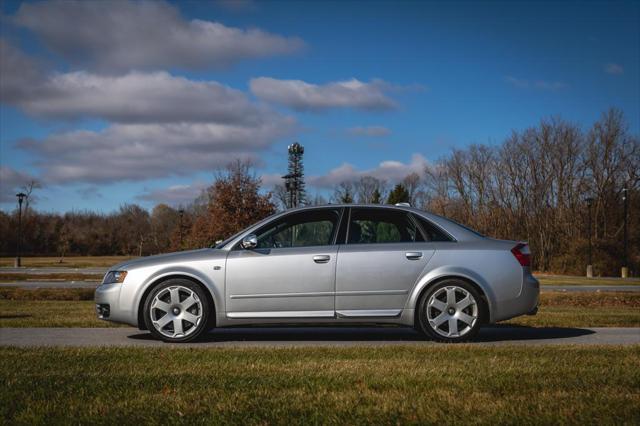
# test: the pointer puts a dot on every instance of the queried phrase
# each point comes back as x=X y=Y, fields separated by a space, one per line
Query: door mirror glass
x=249 y=242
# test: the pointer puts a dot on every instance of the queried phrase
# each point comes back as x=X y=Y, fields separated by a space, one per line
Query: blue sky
x=103 y=110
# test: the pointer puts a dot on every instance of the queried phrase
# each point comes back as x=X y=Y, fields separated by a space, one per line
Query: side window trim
x=416 y=223
x=336 y=230
x=439 y=228
x=347 y=226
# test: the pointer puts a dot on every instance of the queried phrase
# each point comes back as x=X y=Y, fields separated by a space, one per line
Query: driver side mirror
x=249 y=242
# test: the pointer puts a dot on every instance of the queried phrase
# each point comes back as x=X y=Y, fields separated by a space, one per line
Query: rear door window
x=377 y=226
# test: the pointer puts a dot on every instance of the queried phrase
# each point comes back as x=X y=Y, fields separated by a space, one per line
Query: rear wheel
x=177 y=310
x=451 y=311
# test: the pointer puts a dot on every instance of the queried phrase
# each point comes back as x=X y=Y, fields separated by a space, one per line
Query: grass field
x=74 y=308
x=11 y=277
x=570 y=280
x=461 y=384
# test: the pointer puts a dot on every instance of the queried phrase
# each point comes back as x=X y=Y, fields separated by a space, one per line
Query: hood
x=179 y=256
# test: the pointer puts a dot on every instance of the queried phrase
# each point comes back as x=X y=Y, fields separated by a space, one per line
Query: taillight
x=522 y=254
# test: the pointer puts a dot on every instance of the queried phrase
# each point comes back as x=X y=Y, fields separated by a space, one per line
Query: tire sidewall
x=423 y=323
x=206 y=310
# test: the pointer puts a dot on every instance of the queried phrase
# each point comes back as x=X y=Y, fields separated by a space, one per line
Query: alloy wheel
x=452 y=311
x=176 y=311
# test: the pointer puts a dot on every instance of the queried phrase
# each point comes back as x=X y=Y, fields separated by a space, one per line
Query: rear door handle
x=321 y=258
x=413 y=255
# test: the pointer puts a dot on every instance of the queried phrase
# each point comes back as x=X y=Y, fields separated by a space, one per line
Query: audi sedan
x=331 y=265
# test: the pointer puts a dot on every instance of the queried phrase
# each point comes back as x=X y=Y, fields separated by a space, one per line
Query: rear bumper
x=525 y=304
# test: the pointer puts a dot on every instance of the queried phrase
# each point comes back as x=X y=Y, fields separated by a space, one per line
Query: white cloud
x=114 y=36
x=372 y=131
x=535 y=84
x=390 y=171
x=269 y=180
x=144 y=151
x=303 y=96
x=135 y=97
x=614 y=69
x=11 y=181
x=174 y=195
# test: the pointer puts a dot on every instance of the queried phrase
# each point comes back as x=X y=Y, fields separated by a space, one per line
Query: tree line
x=538 y=185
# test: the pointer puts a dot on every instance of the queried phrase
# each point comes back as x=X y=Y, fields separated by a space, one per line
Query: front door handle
x=321 y=258
x=413 y=255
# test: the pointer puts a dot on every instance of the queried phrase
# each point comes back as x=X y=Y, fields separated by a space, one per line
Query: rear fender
x=443 y=272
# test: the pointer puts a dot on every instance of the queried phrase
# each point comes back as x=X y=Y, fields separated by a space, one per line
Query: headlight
x=114 y=277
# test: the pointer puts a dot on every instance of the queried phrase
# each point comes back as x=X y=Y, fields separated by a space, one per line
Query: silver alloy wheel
x=176 y=311
x=452 y=311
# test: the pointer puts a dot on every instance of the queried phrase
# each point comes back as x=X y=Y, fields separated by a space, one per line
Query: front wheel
x=451 y=311
x=177 y=311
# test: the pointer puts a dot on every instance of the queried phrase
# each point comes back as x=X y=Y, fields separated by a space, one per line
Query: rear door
x=291 y=273
x=384 y=255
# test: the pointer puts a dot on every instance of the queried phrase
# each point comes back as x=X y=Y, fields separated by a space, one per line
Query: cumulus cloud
x=390 y=171
x=372 y=131
x=535 y=84
x=174 y=195
x=303 y=96
x=114 y=36
x=134 y=97
x=614 y=69
x=269 y=180
x=161 y=124
x=11 y=181
x=18 y=73
x=144 y=151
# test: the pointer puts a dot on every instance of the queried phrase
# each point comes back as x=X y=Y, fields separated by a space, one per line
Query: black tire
x=201 y=307
x=437 y=333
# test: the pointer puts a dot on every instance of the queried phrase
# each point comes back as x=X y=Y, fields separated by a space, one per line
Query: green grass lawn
x=599 y=281
x=392 y=385
x=11 y=277
x=74 y=308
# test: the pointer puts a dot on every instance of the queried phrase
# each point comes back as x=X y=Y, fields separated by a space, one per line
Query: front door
x=291 y=272
x=384 y=255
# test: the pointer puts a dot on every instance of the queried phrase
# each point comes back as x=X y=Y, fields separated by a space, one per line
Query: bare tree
x=366 y=187
x=343 y=193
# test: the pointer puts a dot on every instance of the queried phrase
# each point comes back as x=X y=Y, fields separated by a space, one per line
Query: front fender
x=214 y=286
x=435 y=275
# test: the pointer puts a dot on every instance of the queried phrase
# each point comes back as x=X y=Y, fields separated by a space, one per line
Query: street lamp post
x=21 y=196
x=181 y=212
x=589 y=260
x=625 y=266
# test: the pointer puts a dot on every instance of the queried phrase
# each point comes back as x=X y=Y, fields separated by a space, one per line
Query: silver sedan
x=334 y=264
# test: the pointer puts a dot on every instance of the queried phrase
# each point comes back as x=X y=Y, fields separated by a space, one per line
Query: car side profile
x=334 y=264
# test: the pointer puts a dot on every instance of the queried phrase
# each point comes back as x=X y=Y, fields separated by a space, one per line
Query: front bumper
x=108 y=308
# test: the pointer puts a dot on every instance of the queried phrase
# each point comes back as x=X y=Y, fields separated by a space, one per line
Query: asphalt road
x=314 y=336
x=93 y=284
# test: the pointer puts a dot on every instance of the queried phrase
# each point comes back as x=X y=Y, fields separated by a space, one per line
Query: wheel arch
x=427 y=283
x=149 y=288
